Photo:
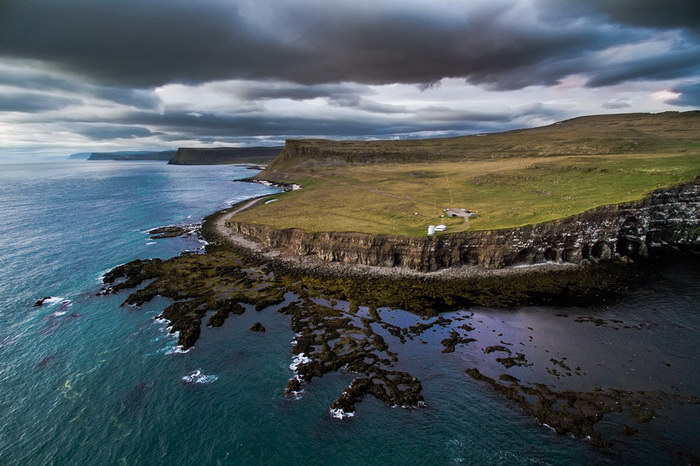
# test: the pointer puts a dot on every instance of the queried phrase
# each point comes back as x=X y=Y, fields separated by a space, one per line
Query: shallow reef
x=576 y=413
x=332 y=337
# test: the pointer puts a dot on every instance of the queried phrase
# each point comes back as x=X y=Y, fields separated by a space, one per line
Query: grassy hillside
x=589 y=135
x=511 y=179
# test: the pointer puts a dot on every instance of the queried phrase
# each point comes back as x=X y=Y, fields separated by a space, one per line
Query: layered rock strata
x=666 y=218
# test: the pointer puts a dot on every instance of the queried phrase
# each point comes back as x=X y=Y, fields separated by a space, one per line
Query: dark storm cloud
x=666 y=14
x=242 y=61
x=102 y=132
x=368 y=105
x=141 y=42
x=181 y=125
x=33 y=102
x=266 y=90
x=248 y=125
x=675 y=64
x=152 y=42
x=690 y=95
x=40 y=80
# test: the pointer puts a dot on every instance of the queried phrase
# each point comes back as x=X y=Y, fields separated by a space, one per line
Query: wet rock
x=491 y=349
x=517 y=360
x=294 y=385
x=329 y=339
x=41 y=301
x=577 y=413
x=226 y=309
x=508 y=378
x=394 y=388
x=561 y=364
x=257 y=327
x=449 y=344
x=173 y=231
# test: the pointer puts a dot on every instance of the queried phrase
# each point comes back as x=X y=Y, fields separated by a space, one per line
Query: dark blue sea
x=85 y=381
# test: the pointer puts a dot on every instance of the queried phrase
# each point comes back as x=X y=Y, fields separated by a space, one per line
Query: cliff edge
x=588 y=135
x=667 y=218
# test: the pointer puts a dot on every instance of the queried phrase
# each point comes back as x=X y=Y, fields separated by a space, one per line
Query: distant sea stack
x=133 y=155
x=224 y=155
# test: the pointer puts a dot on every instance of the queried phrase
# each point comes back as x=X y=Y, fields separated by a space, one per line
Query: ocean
x=86 y=381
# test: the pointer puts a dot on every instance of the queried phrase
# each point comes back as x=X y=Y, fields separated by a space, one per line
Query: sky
x=99 y=75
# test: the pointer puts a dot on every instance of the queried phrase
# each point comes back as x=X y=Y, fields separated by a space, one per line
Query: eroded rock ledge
x=666 y=219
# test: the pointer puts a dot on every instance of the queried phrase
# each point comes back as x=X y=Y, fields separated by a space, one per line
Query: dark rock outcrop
x=257 y=327
x=666 y=218
x=40 y=302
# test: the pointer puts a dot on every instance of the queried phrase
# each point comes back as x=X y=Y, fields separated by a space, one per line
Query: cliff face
x=597 y=134
x=224 y=155
x=666 y=217
x=298 y=155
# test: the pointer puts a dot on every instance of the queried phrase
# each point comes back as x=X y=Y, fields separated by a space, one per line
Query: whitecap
x=178 y=349
x=298 y=360
x=340 y=414
x=549 y=427
x=198 y=376
x=148 y=243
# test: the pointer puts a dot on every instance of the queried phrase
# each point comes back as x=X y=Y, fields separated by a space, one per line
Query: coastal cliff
x=665 y=218
x=224 y=155
x=588 y=135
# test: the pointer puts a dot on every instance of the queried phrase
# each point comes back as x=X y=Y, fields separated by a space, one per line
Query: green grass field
x=403 y=199
x=511 y=179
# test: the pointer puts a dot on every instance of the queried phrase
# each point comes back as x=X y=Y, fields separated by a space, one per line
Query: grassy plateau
x=510 y=179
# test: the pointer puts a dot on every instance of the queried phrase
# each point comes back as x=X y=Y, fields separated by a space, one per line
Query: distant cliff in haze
x=224 y=155
x=132 y=155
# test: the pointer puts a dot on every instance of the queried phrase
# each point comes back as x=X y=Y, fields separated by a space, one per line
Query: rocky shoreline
x=666 y=219
x=340 y=324
x=216 y=231
x=336 y=312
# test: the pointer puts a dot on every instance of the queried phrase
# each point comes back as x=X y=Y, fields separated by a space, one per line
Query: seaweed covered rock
x=576 y=412
x=329 y=339
x=257 y=327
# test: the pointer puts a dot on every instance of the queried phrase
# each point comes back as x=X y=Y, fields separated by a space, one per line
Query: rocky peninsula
x=665 y=219
x=341 y=290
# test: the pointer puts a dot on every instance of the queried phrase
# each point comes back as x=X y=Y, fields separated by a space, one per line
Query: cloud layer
x=158 y=72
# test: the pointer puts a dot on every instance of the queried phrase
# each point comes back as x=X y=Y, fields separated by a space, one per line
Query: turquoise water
x=85 y=381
